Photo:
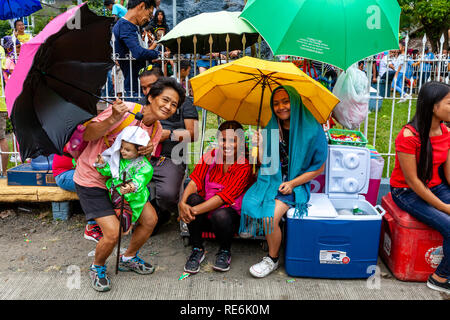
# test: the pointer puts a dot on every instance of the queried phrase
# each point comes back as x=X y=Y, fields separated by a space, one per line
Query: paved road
x=69 y=280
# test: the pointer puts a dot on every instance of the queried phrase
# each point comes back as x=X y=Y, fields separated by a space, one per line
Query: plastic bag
x=351 y=89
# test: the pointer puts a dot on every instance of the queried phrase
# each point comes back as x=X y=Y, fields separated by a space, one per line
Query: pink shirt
x=85 y=173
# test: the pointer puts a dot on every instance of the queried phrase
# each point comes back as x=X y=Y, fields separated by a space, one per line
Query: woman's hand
x=185 y=212
x=129 y=187
x=165 y=135
x=447 y=209
x=286 y=187
x=257 y=139
x=119 y=108
x=144 y=151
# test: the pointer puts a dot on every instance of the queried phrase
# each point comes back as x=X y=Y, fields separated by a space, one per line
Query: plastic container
x=376 y=172
x=333 y=141
x=410 y=249
x=25 y=175
x=334 y=240
x=41 y=163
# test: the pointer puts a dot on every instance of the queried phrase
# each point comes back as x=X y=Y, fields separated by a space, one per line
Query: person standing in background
x=387 y=73
x=128 y=39
x=19 y=32
x=117 y=10
x=157 y=4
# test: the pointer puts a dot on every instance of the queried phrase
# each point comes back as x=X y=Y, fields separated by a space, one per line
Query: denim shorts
x=65 y=180
x=286 y=198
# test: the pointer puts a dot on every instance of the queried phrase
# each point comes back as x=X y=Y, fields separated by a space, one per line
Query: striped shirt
x=236 y=180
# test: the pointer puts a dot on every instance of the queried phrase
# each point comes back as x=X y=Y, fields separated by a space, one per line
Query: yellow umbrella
x=240 y=90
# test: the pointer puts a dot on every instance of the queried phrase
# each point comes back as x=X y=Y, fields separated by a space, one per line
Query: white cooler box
x=331 y=241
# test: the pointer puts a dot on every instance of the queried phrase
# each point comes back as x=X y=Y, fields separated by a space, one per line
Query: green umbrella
x=214 y=25
x=337 y=32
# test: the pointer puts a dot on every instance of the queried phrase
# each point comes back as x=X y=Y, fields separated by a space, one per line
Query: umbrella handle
x=255 y=157
x=138 y=115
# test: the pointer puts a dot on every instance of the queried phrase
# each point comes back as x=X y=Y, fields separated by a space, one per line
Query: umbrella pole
x=255 y=150
x=122 y=203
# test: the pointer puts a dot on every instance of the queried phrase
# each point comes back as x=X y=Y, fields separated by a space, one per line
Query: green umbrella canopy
x=337 y=32
x=218 y=25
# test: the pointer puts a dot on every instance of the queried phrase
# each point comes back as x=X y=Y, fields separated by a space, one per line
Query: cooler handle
x=380 y=210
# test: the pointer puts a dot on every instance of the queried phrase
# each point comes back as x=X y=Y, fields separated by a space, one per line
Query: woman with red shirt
x=212 y=199
x=417 y=187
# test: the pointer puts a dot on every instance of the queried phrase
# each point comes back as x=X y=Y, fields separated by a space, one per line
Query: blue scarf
x=307 y=152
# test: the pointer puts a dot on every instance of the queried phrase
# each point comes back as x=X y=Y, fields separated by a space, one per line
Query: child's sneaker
x=99 y=278
x=195 y=259
x=223 y=260
x=93 y=232
x=136 y=264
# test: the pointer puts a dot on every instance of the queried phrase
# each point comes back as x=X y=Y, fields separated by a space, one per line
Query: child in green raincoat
x=122 y=157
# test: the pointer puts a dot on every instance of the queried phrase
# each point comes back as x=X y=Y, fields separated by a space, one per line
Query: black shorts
x=95 y=202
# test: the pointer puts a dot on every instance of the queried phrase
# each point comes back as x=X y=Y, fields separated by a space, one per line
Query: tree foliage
x=433 y=15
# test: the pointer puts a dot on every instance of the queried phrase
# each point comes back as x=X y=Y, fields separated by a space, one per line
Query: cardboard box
x=24 y=175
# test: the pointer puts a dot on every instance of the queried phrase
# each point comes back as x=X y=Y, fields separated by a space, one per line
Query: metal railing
x=419 y=68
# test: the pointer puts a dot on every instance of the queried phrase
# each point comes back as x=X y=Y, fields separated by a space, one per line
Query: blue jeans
x=65 y=180
x=409 y=201
x=398 y=86
x=385 y=84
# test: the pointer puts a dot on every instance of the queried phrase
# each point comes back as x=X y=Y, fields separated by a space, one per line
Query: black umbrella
x=61 y=72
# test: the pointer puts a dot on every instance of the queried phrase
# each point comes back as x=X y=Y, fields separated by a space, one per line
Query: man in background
x=117 y=10
x=128 y=39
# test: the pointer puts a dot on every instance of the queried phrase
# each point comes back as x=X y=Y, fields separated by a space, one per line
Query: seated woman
x=163 y=100
x=422 y=146
x=212 y=199
x=294 y=153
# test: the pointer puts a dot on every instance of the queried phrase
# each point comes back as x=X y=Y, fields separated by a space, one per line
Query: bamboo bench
x=58 y=197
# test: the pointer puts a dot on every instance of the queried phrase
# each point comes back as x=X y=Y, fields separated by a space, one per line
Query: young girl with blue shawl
x=294 y=153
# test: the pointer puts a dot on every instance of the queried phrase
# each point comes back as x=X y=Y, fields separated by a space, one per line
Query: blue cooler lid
x=347 y=171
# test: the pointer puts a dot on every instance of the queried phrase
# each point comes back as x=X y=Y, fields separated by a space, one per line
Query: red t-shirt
x=440 y=145
x=61 y=164
x=236 y=180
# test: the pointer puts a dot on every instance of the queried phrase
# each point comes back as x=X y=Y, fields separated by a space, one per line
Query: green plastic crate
x=361 y=143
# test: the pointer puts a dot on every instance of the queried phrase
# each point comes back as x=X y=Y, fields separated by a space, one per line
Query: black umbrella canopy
x=62 y=87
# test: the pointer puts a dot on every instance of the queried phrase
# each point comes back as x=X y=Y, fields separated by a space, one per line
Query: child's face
x=128 y=150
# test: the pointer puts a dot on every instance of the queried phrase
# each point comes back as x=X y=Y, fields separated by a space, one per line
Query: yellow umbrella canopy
x=241 y=89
